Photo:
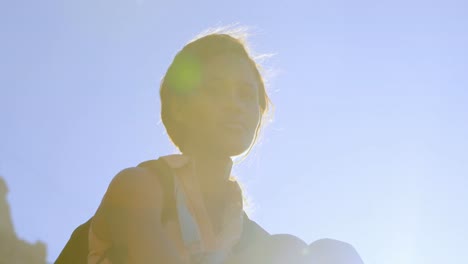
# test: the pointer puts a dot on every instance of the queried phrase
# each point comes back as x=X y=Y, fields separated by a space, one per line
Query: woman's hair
x=184 y=75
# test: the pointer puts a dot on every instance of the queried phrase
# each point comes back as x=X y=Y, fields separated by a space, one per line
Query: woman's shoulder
x=134 y=194
x=131 y=177
x=133 y=186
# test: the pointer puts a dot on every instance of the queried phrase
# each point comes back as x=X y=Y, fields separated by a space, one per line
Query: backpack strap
x=252 y=233
x=161 y=169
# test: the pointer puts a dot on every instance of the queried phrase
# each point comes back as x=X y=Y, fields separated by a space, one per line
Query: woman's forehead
x=228 y=66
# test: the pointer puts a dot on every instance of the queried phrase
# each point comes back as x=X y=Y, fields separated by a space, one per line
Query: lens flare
x=186 y=75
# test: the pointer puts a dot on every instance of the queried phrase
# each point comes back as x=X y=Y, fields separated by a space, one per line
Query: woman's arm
x=129 y=216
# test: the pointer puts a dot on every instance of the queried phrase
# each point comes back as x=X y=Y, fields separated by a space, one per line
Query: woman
x=213 y=100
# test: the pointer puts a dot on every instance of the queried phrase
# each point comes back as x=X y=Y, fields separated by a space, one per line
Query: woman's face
x=224 y=112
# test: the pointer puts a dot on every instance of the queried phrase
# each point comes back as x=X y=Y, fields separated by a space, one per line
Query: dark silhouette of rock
x=14 y=250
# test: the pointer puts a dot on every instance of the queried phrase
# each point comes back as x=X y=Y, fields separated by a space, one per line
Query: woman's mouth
x=234 y=126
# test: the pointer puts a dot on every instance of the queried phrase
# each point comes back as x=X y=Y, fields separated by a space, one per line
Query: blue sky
x=368 y=142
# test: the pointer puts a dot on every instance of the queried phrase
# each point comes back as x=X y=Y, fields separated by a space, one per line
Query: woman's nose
x=233 y=99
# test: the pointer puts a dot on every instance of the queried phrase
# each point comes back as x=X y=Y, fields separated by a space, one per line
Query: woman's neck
x=212 y=171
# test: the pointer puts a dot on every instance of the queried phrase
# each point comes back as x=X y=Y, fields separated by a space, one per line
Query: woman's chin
x=230 y=147
x=235 y=149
